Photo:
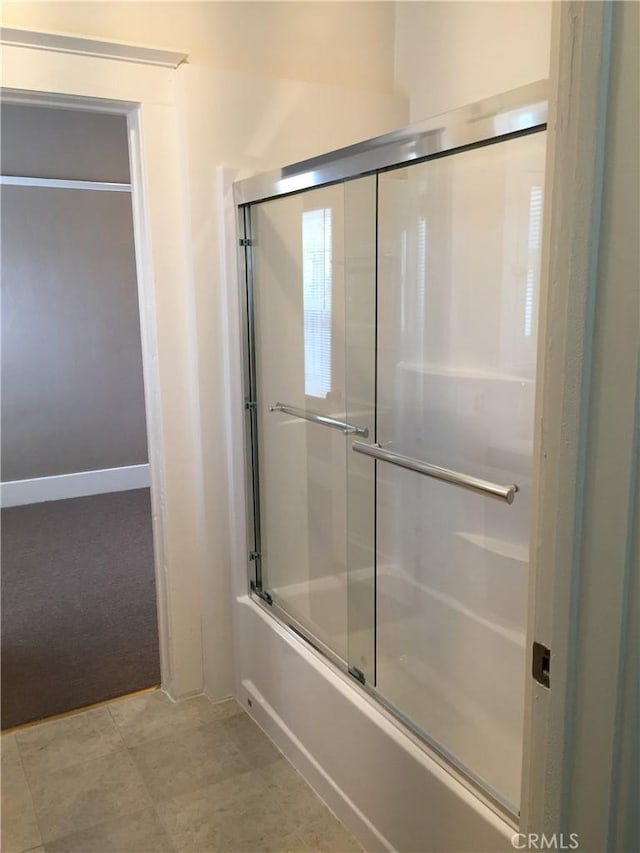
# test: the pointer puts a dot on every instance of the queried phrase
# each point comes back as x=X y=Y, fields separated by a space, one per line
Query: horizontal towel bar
x=316 y=418
x=474 y=484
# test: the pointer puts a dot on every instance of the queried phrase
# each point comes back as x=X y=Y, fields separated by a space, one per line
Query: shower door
x=391 y=338
x=313 y=272
x=458 y=259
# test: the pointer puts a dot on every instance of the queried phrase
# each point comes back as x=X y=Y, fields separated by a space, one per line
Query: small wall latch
x=541 y=664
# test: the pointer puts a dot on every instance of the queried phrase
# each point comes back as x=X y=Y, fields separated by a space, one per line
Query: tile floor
x=145 y=775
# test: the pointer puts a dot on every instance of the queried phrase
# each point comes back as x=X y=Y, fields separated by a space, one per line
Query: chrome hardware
x=474 y=484
x=517 y=111
x=316 y=418
x=261 y=593
x=356 y=673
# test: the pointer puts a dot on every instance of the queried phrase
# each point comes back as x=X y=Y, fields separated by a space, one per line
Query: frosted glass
x=458 y=265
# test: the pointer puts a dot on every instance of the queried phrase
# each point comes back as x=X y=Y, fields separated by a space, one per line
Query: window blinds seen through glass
x=316 y=277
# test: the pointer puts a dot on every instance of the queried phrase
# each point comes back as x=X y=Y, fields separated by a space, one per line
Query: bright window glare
x=535 y=223
x=316 y=277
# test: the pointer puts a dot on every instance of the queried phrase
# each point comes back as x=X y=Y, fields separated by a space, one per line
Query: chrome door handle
x=317 y=418
x=473 y=484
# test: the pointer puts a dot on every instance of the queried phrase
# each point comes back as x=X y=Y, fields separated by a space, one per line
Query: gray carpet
x=79 y=618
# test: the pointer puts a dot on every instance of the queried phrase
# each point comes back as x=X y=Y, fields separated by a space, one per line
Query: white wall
x=580 y=744
x=602 y=803
x=348 y=44
x=448 y=54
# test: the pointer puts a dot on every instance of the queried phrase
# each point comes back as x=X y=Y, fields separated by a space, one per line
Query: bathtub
x=391 y=790
x=385 y=785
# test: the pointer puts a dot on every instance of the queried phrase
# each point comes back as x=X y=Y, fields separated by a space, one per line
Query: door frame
x=561 y=734
x=140 y=83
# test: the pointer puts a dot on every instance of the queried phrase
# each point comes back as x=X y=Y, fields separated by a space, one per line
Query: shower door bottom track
x=435 y=751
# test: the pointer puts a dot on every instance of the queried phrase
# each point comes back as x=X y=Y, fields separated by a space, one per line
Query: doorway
x=79 y=621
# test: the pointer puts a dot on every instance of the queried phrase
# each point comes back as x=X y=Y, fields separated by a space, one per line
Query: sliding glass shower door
x=313 y=267
x=459 y=241
x=392 y=329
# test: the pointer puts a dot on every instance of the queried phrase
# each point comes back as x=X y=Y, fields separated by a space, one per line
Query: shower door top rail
x=317 y=418
x=465 y=481
x=518 y=111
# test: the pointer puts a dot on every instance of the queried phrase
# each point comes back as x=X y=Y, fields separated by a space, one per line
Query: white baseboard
x=81 y=484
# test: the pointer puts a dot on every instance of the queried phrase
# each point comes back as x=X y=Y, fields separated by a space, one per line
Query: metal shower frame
x=515 y=113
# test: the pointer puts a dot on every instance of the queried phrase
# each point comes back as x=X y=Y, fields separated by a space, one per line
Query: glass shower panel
x=299 y=311
x=458 y=266
x=360 y=365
